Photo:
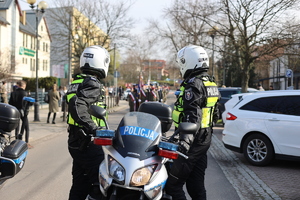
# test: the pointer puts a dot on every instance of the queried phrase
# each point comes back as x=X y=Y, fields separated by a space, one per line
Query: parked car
x=125 y=94
x=265 y=125
x=235 y=98
x=226 y=94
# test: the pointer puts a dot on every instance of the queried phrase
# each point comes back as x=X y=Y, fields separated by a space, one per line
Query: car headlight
x=116 y=170
x=142 y=175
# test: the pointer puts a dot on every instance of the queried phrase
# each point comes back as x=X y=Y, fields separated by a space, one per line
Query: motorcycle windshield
x=137 y=135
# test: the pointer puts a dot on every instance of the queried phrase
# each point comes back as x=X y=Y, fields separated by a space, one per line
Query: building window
x=31 y=66
x=26 y=41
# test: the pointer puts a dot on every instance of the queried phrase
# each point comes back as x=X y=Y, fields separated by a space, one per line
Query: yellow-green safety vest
x=74 y=86
x=207 y=111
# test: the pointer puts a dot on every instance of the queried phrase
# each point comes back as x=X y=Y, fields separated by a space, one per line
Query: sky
x=140 y=11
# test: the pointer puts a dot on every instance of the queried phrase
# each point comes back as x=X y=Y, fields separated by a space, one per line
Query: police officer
x=196 y=104
x=84 y=91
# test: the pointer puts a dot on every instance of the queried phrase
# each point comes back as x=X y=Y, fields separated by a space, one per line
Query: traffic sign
x=289 y=73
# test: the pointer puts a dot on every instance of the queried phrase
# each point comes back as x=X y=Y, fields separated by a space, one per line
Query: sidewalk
x=41 y=130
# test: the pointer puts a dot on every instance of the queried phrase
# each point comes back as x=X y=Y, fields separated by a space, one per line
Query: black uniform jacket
x=88 y=92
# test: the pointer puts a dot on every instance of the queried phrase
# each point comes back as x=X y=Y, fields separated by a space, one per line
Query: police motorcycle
x=137 y=155
x=12 y=152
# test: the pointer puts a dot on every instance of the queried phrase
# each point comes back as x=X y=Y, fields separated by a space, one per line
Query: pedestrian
x=3 y=91
x=85 y=90
x=61 y=94
x=196 y=104
x=144 y=94
x=260 y=88
x=16 y=99
x=271 y=87
x=120 y=93
x=133 y=100
x=64 y=107
x=153 y=95
x=54 y=96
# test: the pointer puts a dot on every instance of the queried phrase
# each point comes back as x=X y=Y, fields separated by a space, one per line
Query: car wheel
x=258 y=150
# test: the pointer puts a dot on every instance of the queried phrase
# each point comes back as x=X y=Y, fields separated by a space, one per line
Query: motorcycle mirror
x=97 y=111
x=187 y=128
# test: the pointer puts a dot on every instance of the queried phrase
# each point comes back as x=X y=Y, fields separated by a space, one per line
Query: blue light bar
x=168 y=146
x=30 y=99
x=105 y=133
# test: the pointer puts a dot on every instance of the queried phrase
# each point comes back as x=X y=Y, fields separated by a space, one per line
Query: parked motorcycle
x=12 y=153
x=137 y=155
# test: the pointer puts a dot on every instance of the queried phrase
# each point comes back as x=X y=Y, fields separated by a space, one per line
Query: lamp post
x=212 y=33
x=42 y=5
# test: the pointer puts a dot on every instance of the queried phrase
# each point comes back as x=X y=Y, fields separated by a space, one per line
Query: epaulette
x=94 y=78
x=191 y=80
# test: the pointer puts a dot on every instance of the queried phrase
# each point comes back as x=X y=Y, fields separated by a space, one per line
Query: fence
x=108 y=100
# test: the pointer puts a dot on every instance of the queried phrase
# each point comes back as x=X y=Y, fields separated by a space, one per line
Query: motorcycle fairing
x=104 y=177
x=137 y=135
x=131 y=164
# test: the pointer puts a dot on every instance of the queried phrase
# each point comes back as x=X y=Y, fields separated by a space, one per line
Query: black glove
x=84 y=140
x=95 y=130
x=185 y=142
x=183 y=147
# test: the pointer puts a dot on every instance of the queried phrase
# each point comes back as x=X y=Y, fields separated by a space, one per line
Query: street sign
x=116 y=74
x=289 y=73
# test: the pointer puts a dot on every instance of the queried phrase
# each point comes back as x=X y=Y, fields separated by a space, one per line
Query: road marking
x=246 y=183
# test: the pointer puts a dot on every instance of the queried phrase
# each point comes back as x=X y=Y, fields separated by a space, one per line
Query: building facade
x=18 y=43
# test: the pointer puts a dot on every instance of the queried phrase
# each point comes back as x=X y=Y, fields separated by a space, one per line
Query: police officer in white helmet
x=84 y=91
x=196 y=103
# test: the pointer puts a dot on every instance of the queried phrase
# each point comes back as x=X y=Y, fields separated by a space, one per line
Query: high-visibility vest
x=207 y=110
x=72 y=92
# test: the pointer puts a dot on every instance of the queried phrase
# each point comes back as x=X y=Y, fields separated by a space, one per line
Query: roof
x=4 y=5
x=30 y=27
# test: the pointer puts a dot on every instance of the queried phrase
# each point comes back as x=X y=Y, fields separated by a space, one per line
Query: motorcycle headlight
x=142 y=175
x=116 y=170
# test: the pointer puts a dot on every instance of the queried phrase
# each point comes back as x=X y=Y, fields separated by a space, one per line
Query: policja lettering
x=212 y=91
x=138 y=131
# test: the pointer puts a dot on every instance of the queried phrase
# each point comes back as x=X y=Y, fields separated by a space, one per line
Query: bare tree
x=141 y=49
x=5 y=66
x=76 y=24
x=244 y=25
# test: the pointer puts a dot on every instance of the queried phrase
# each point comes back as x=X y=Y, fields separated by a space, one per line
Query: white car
x=125 y=94
x=264 y=126
x=235 y=98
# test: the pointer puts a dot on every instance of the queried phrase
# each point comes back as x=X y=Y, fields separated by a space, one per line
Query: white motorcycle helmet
x=192 y=58
x=95 y=60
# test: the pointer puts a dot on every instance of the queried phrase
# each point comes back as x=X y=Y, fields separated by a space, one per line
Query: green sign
x=27 y=52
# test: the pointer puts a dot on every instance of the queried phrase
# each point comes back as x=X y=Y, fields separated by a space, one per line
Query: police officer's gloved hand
x=183 y=147
x=95 y=131
x=185 y=142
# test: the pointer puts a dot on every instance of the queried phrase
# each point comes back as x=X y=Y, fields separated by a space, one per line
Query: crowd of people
x=151 y=92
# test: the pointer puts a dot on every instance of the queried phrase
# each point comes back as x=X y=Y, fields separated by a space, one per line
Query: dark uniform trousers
x=85 y=168
x=192 y=170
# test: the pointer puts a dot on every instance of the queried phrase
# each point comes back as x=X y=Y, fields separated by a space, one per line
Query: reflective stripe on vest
x=207 y=111
x=71 y=93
